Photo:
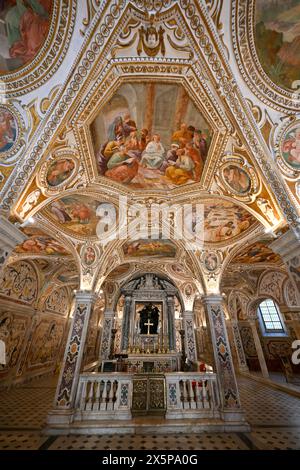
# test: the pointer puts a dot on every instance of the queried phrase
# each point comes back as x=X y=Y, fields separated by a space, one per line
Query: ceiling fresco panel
x=151 y=136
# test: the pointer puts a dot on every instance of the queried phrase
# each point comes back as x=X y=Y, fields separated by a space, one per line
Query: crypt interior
x=117 y=119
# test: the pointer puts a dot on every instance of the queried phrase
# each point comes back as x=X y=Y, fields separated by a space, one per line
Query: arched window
x=270 y=317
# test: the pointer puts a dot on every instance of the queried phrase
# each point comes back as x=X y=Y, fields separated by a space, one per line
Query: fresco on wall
x=225 y=220
x=120 y=271
x=290 y=147
x=277 y=38
x=45 y=342
x=153 y=248
x=257 y=253
x=58 y=301
x=76 y=214
x=151 y=136
x=8 y=129
x=12 y=331
x=59 y=171
x=24 y=26
x=19 y=281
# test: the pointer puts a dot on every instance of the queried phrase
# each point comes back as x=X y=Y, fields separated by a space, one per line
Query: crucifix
x=148 y=324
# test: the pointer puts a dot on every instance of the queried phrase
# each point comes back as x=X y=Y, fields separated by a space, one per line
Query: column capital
x=212 y=299
x=108 y=312
x=188 y=314
x=86 y=296
x=287 y=245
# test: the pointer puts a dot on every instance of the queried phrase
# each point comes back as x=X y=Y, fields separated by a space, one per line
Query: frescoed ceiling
x=39 y=243
x=144 y=102
x=277 y=40
x=258 y=252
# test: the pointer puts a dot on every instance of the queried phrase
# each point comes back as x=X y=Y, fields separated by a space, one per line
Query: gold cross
x=148 y=324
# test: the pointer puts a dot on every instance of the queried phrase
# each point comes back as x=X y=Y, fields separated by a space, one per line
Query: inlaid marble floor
x=274 y=417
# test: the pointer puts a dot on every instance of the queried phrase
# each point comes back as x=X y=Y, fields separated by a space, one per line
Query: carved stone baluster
x=96 y=403
x=191 y=390
x=89 y=404
x=111 y=396
x=83 y=396
x=205 y=395
x=185 y=395
x=104 y=396
x=198 y=396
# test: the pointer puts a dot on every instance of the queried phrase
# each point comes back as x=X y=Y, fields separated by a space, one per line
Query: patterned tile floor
x=274 y=417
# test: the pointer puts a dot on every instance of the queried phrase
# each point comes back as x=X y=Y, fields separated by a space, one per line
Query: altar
x=153 y=363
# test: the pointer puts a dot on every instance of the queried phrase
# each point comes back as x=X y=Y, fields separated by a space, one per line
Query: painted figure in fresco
x=58 y=210
x=26 y=27
x=211 y=262
x=7 y=130
x=184 y=167
x=291 y=147
x=89 y=256
x=121 y=167
x=154 y=153
x=171 y=157
x=183 y=135
x=237 y=178
x=41 y=244
x=224 y=223
x=121 y=127
x=59 y=171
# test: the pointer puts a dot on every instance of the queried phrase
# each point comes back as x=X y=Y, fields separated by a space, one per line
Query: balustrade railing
x=192 y=394
x=109 y=396
x=104 y=396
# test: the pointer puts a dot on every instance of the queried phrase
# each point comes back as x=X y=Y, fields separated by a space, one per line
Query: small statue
x=267 y=210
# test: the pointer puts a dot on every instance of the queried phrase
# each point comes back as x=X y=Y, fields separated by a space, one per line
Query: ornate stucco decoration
x=97 y=76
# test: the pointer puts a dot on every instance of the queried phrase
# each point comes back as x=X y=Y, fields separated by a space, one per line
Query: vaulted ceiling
x=162 y=102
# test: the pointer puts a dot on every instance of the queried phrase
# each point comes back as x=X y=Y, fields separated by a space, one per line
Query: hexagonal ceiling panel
x=151 y=136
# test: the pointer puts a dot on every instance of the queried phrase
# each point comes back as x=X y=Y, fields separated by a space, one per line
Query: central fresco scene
x=151 y=135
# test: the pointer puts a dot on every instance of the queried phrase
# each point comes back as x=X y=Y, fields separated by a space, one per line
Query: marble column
x=288 y=247
x=126 y=322
x=242 y=363
x=108 y=324
x=71 y=366
x=189 y=336
x=10 y=237
x=230 y=406
x=259 y=349
x=171 y=322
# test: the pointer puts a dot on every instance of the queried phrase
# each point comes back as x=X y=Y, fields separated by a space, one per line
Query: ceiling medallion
x=237 y=178
x=58 y=171
x=11 y=131
x=288 y=150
